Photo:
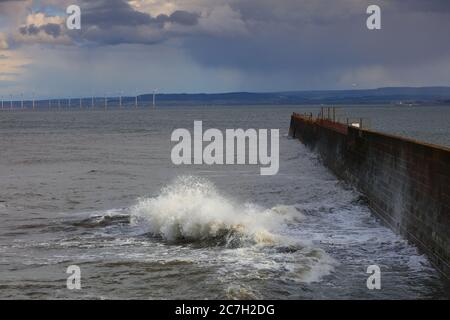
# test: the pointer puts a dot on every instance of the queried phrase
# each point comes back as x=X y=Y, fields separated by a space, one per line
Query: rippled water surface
x=98 y=189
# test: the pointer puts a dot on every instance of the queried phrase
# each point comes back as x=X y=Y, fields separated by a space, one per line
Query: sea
x=97 y=189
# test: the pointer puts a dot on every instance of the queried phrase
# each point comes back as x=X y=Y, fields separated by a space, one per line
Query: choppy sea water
x=97 y=189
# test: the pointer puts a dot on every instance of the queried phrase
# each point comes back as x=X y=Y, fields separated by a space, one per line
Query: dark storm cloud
x=296 y=40
x=29 y=30
x=108 y=13
x=51 y=29
x=180 y=17
x=326 y=36
x=116 y=22
x=111 y=22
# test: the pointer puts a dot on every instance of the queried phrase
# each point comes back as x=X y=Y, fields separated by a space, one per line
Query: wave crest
x=192 y=210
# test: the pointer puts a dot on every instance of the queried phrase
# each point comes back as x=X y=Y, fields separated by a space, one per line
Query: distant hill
x=391 y=95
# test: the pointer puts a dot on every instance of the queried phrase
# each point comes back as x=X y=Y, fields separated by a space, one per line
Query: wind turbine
x=154 y=97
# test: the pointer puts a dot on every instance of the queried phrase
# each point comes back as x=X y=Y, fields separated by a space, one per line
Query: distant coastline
x=396 y=96
x=391 y=95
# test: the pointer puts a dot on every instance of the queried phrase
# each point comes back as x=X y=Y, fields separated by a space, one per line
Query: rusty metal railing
x=335 y=118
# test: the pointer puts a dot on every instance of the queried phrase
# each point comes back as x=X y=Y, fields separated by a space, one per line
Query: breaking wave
x=244 y=240
x=192 y=210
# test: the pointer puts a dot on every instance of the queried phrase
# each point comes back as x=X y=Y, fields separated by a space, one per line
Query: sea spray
x=191 y=209
x=254 y=242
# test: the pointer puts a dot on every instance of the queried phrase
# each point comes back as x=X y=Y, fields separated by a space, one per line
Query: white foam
x=192 y=209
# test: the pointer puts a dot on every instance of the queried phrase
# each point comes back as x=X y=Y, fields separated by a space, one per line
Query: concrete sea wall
x=407 y=183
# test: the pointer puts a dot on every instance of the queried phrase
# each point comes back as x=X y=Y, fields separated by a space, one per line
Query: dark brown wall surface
x=407 y=183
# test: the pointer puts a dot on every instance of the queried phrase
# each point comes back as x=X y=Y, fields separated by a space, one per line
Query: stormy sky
x=220 y=45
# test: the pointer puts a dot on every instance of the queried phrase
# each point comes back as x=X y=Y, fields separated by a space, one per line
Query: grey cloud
x=307 y=43
x=113 y=22
x=29 y=30
x=297 y=34
x=118 y=35
x=112 y=13
x=51 y=29
x=105 y=14
x=420 y=5
x=181 y=17
x=184 y=17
